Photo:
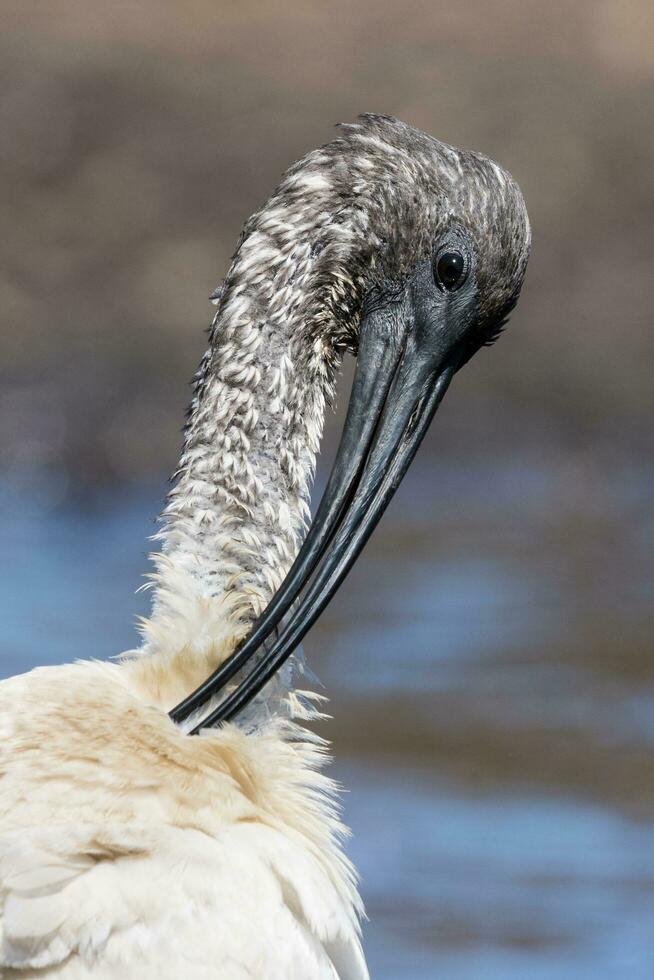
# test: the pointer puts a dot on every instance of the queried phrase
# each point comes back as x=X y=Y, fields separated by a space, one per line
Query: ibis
x=166 y=815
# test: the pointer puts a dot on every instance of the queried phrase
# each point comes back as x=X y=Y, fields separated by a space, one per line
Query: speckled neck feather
x=359 y=211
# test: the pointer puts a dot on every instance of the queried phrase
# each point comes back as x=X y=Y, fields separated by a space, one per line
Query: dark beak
x=408 y=353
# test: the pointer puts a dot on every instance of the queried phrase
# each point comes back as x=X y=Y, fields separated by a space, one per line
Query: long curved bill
x=400 y=380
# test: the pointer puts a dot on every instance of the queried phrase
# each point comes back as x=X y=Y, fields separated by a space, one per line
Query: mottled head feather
x=370 y=205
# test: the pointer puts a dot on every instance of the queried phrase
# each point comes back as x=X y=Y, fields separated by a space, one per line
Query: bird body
x=128 y=848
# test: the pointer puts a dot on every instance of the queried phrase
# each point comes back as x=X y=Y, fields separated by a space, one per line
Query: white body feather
x=130 y=850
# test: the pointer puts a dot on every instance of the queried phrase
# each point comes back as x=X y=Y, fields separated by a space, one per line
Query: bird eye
x=450 y=270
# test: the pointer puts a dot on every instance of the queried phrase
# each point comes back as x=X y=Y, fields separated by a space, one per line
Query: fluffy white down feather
x=130 y=850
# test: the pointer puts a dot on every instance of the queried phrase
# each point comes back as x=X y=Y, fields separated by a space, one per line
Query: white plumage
x=130 y=850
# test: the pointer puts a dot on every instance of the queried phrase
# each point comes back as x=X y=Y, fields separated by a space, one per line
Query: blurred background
x=490 y=664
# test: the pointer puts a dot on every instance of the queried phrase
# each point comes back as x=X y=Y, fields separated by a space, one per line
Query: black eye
x=450 y=270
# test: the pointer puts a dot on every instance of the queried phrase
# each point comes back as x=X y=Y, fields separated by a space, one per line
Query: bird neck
x=240 y=503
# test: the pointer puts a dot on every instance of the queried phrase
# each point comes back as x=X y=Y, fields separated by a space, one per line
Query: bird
x=166 y=814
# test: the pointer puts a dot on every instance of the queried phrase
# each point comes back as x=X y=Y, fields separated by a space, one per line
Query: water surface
x=491 y=677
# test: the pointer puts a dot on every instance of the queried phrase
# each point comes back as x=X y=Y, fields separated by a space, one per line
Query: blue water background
x=492 y=684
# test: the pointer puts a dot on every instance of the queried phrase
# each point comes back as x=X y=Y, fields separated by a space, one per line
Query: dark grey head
x=360 y=217
x=411 y=253
x=384 y=198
